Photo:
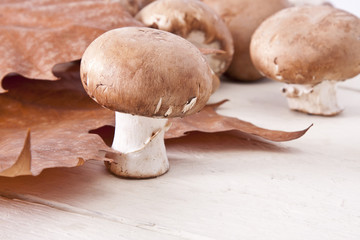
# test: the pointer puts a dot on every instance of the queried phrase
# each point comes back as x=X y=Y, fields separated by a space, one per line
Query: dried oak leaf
x=38 y=34
x=49 y=123
x=134 y=6
x=209 y=121
x=46 y=124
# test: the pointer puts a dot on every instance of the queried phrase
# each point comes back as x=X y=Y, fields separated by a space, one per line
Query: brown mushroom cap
x=308 y=44
x=242 y=18
x=147 y=72
x=182 y=17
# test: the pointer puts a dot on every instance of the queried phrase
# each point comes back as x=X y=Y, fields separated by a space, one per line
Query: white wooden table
x=220 y=186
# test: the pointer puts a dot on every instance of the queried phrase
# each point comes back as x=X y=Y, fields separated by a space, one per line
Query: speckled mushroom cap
x=242 y=18
x=308 y=44
x=184 y=17
x=146 y=72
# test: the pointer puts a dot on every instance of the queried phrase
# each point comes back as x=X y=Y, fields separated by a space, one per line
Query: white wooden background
x=220 y=186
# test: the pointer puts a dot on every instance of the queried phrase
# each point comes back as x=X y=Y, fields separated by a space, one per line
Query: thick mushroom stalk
x=319 y=99
x=141 y=142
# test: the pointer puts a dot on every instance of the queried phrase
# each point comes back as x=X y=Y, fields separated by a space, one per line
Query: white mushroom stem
x=317 y=99
x=141 y=141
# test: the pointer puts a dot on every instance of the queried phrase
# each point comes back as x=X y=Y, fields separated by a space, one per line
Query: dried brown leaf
x=45 y=124
x=210 y=122
x=134 y=6
x=22 y=166
x=52 y=119
x=35 y=35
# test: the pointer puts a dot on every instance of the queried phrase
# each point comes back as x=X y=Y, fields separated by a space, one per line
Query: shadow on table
x=57 y=183
x=79 y=183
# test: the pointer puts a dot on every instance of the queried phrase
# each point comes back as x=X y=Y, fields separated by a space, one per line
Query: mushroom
x=146 y=76
x=196 y=22
x=310 y=48
x=242 y=18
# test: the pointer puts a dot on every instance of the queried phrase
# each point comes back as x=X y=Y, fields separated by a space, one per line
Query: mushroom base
x=319 y=99
x=141 y=142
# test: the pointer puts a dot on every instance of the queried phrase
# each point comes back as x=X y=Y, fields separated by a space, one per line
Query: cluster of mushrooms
x=171 y=66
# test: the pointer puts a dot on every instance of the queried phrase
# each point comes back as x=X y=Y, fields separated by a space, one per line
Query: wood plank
x=25 y=220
